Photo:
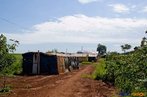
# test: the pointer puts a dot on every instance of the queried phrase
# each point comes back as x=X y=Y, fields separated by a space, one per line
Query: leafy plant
x=6 y=59
x=126 y=70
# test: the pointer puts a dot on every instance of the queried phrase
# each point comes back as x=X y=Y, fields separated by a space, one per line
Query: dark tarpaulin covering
x=92 y=59
x=48 y=63
x=27 y=63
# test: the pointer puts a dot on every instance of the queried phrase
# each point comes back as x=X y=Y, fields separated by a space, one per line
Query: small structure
x=81 y=57
x=42 y=63
x=52 y=63
x=87 y=56
x=92 y=58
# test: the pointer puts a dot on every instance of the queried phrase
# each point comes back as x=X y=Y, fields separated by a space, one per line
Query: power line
x=12 y=23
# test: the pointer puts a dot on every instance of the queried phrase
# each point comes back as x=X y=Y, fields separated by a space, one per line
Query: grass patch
x=86 y=76
x=100 y=70
x=86 y=63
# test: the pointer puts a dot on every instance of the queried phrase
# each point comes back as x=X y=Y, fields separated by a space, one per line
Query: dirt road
x=70 y=84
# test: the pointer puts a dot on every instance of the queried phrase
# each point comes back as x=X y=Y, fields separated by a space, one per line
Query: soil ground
x=70 y=84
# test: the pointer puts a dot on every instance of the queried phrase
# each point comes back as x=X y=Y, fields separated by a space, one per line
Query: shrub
x=125 y=70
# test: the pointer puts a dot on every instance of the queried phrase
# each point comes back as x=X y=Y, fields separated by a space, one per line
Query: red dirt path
x=70 y=84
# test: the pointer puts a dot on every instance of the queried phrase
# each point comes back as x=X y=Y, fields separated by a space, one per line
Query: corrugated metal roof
x=66 y=55
x=73 y=55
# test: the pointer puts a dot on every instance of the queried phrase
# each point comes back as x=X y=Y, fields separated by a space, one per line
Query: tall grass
x=100 y=71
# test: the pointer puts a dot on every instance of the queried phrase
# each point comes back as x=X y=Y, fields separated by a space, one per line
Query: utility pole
x=81 y=48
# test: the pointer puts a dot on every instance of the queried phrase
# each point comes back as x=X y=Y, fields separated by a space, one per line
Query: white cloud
x=86 y=1
x=84 y=29
x=120 y=8
x=144 y=9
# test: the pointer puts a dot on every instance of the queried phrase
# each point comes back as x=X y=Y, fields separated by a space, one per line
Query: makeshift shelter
x=42 y=63
x=81 y=57
x=60 y=63
x=92 y=59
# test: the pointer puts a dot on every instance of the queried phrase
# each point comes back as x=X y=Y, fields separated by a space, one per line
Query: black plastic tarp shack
x=39 y=63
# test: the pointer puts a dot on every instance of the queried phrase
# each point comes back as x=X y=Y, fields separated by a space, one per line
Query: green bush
x=125 y=70
x=128 y=72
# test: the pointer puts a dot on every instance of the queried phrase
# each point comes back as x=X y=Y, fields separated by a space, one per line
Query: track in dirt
x=70 y=84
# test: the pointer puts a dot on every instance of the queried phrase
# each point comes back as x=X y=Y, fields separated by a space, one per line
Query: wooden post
x=34 y=66
x=38 y=62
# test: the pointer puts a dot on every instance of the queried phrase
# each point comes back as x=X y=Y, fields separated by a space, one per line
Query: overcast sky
x=71 y=24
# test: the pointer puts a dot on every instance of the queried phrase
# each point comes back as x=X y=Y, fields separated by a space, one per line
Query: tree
x=6 y=58
x=125 y=47
x=101 y=49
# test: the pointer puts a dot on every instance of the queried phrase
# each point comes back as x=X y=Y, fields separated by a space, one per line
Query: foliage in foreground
x=128 y=72
x=100 y=70
x=6 y=58
x=16 y=67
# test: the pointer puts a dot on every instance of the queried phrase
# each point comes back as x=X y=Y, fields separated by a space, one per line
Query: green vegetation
x=7 y=60
x=16 y=67
x=5 y=89
x=128 y=72
x=125 y=47
x=86 y=63
x=86 y=76
x=101 y=49
x=100 y=70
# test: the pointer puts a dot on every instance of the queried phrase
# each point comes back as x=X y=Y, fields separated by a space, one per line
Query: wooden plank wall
x=61 y=64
